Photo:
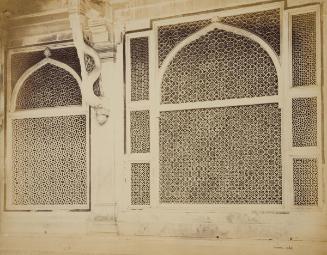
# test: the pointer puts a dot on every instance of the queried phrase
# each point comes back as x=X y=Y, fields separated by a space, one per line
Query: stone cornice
x=96 y=19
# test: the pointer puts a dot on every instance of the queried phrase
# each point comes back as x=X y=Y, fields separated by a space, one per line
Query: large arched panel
x=219 y=65
x=220 y=155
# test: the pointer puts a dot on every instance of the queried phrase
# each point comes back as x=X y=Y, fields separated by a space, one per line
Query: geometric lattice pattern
x=304 y=49
x=219 y=65
x=305 y=181
x=139 y=68
x=228 y=155
x=89 y=63
x=89 y=67
x=140 y=184
x=304 y=121
x=20 y=62
x=49 y=161
x=265 y=24
x=140 y=131
x=67 y=56
x=169 y=36
x=49 y=86
x=97 y=88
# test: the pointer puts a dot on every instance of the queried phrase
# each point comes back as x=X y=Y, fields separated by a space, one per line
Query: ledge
x=110 y=244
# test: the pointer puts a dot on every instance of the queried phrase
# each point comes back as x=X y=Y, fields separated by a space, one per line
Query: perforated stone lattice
x=89 y=63
x=68 y=56
x=304 y=49
x=89 y=66
x=139 y=49
x=219 y=65
x=227 y=155
x=140 y=131
x=169 y=36
x=20 y=62
x=49 y=161
x=265 y=24
x=49 y=86
x=304 y=121
x=305 y=181
x=140 y=184
x=97 y=88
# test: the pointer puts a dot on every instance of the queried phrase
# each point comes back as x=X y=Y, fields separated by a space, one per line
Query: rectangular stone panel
x=304 y=121
x=140 y=131
x=229 y=155
x=305 y=181
x=304 y=49
x=49 y=161
x=140 y=184
x=139 y=51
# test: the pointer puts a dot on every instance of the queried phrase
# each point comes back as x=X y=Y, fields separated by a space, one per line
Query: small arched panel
x=219 y=65
x=48 y=86
x=48 y=127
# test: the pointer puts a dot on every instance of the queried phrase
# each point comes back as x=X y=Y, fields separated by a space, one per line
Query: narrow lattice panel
x=225 y=155
x=49 y=161
x=219 y=65
x=169 y=36
x=265 y=24
x=304 y=121
x=49 y=86
x=139 y=50
x=20 y=62
x=304 y=49
x=140 y=131
x=305 y=181
x=140 y=184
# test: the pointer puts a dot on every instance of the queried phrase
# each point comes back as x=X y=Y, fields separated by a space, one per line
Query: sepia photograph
x=163 y=127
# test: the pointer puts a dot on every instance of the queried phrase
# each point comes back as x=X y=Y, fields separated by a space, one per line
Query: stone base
x=111 y=244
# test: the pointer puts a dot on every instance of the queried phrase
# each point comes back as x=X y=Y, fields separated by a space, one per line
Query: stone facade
x=133 y=133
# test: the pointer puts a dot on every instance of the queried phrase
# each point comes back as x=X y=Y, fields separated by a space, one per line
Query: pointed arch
x=228 y=28
x=35 y=68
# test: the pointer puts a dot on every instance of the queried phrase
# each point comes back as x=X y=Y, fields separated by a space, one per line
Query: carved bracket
x=89 y=75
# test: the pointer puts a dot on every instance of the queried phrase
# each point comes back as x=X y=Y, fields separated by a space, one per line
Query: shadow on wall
x=22 y=7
